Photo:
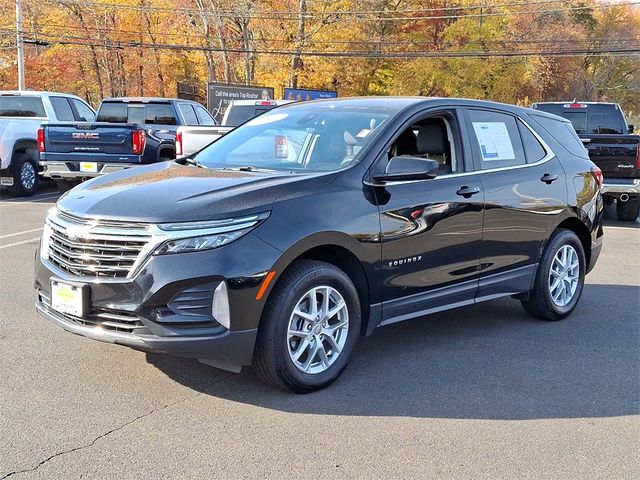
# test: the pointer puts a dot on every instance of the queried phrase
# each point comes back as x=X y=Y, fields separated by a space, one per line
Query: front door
x=431 y=230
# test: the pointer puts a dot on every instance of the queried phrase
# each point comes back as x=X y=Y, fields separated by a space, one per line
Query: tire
x=276 y=348
x=628 y=211
x=25 y=175
x=546 y=302
x=65 y=185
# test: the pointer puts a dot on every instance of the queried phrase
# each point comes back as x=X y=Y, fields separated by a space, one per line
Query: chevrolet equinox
x=283 y=242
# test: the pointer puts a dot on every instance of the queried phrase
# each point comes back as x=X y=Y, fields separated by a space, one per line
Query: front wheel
x=559 y=279
x=309 y=327
x=628 y=211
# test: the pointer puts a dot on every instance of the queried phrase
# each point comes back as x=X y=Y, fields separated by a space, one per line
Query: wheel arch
x=583 y=233
x=22 y=145
x=166 y=151
x=346 y=260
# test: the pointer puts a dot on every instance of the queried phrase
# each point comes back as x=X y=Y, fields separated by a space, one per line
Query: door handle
x=548 y=178
x=466 y=192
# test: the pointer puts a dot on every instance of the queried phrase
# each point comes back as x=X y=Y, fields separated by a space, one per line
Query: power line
x=616 y=51
x=312 y=15
x=139 y=33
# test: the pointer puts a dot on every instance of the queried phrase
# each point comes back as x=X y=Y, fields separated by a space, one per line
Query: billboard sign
x=302 y=94
x=219 y=95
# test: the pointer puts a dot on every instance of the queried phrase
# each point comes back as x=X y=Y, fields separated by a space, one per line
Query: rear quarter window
x=563 y=133
x=20 y=106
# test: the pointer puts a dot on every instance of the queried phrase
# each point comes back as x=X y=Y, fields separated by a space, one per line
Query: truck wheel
x=309 y=327
x=25 y=175
x=65 y=185
x=628 y=211
x=559 y=279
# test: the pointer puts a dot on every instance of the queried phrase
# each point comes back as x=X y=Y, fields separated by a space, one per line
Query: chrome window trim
x=549 y=156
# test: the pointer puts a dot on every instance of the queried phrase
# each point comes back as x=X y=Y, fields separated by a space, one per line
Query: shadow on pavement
x=489 y=361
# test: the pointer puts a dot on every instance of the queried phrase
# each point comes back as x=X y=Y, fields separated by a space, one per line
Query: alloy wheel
x=318 y=329
x=564 y=275
x=27 y=175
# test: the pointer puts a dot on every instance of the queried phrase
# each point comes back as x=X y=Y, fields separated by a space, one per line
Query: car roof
x=36 y=93
x=574 y=101
x=146 y=100
x=400 y=103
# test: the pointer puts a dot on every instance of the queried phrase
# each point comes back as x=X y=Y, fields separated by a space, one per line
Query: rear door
x=525 y=194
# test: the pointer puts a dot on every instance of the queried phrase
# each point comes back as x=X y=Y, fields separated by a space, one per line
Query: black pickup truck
x=127 y=132
x=612 y=146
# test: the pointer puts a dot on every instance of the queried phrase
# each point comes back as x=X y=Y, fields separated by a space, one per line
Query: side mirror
x=631 y=128
x=408 y=168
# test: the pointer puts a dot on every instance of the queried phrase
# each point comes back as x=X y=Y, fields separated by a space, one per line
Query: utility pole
x=20 y=45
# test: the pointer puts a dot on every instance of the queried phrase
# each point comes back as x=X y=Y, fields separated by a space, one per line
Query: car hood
x=169 y=192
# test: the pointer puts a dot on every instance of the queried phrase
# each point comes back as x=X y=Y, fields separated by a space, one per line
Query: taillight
x=597 y=174
x=41 y=139
x=138 y=141
x=179 y=144
x=281 y=146
x=638 y=157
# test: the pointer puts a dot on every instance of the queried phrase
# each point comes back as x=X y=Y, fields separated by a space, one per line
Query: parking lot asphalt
x=478 y=392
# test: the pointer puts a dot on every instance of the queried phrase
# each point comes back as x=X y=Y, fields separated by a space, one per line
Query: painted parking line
x=21 y=233
x=19 y=243
x=34 y=199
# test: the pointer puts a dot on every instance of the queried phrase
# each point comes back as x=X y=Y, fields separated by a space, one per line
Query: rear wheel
x=559 y=279
x=25 y=175
x=628 y=211
x=309 y=327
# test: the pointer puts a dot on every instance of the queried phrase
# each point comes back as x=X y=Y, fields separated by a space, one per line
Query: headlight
x=44 y=242
x=193 y=244
x=184 y=237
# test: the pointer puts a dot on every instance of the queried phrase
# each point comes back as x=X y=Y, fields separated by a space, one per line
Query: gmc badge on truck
x=85 y=135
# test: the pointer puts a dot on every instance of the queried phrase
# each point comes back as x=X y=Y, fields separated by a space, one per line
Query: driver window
x=433 y=138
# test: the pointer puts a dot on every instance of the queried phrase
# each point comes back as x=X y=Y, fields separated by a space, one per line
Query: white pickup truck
x=192 y=139
x=21 y=114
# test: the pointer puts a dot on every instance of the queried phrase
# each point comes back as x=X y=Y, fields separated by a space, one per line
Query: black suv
x=286 y=240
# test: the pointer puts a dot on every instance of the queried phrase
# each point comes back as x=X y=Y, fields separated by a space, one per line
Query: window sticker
x=494 y=140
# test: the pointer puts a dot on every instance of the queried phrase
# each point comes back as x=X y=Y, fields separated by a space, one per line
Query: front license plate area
x=88 y=167
x=69 y=299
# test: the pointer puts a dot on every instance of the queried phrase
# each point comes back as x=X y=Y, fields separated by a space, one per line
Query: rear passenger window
x=188 y=114
x=160 y=114
x=564 y=134
x=85 y=114
x=533 y=150
x=62 y=109
x=204 y=117
x=497 y=139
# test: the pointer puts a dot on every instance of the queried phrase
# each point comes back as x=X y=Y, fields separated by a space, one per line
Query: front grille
x=94 y=248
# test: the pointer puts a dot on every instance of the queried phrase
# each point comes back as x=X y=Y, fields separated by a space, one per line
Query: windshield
x=313 y=137
x=591 y=118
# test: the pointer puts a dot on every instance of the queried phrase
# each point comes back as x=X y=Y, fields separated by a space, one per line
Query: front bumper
x=71 y=170
x=154 y=311
x=228 y=350
x=621 y=185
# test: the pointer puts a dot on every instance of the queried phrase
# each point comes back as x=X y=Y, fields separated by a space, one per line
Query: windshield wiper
x=193 y=161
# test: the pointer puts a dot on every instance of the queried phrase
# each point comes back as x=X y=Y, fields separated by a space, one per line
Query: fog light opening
x=220 y=305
